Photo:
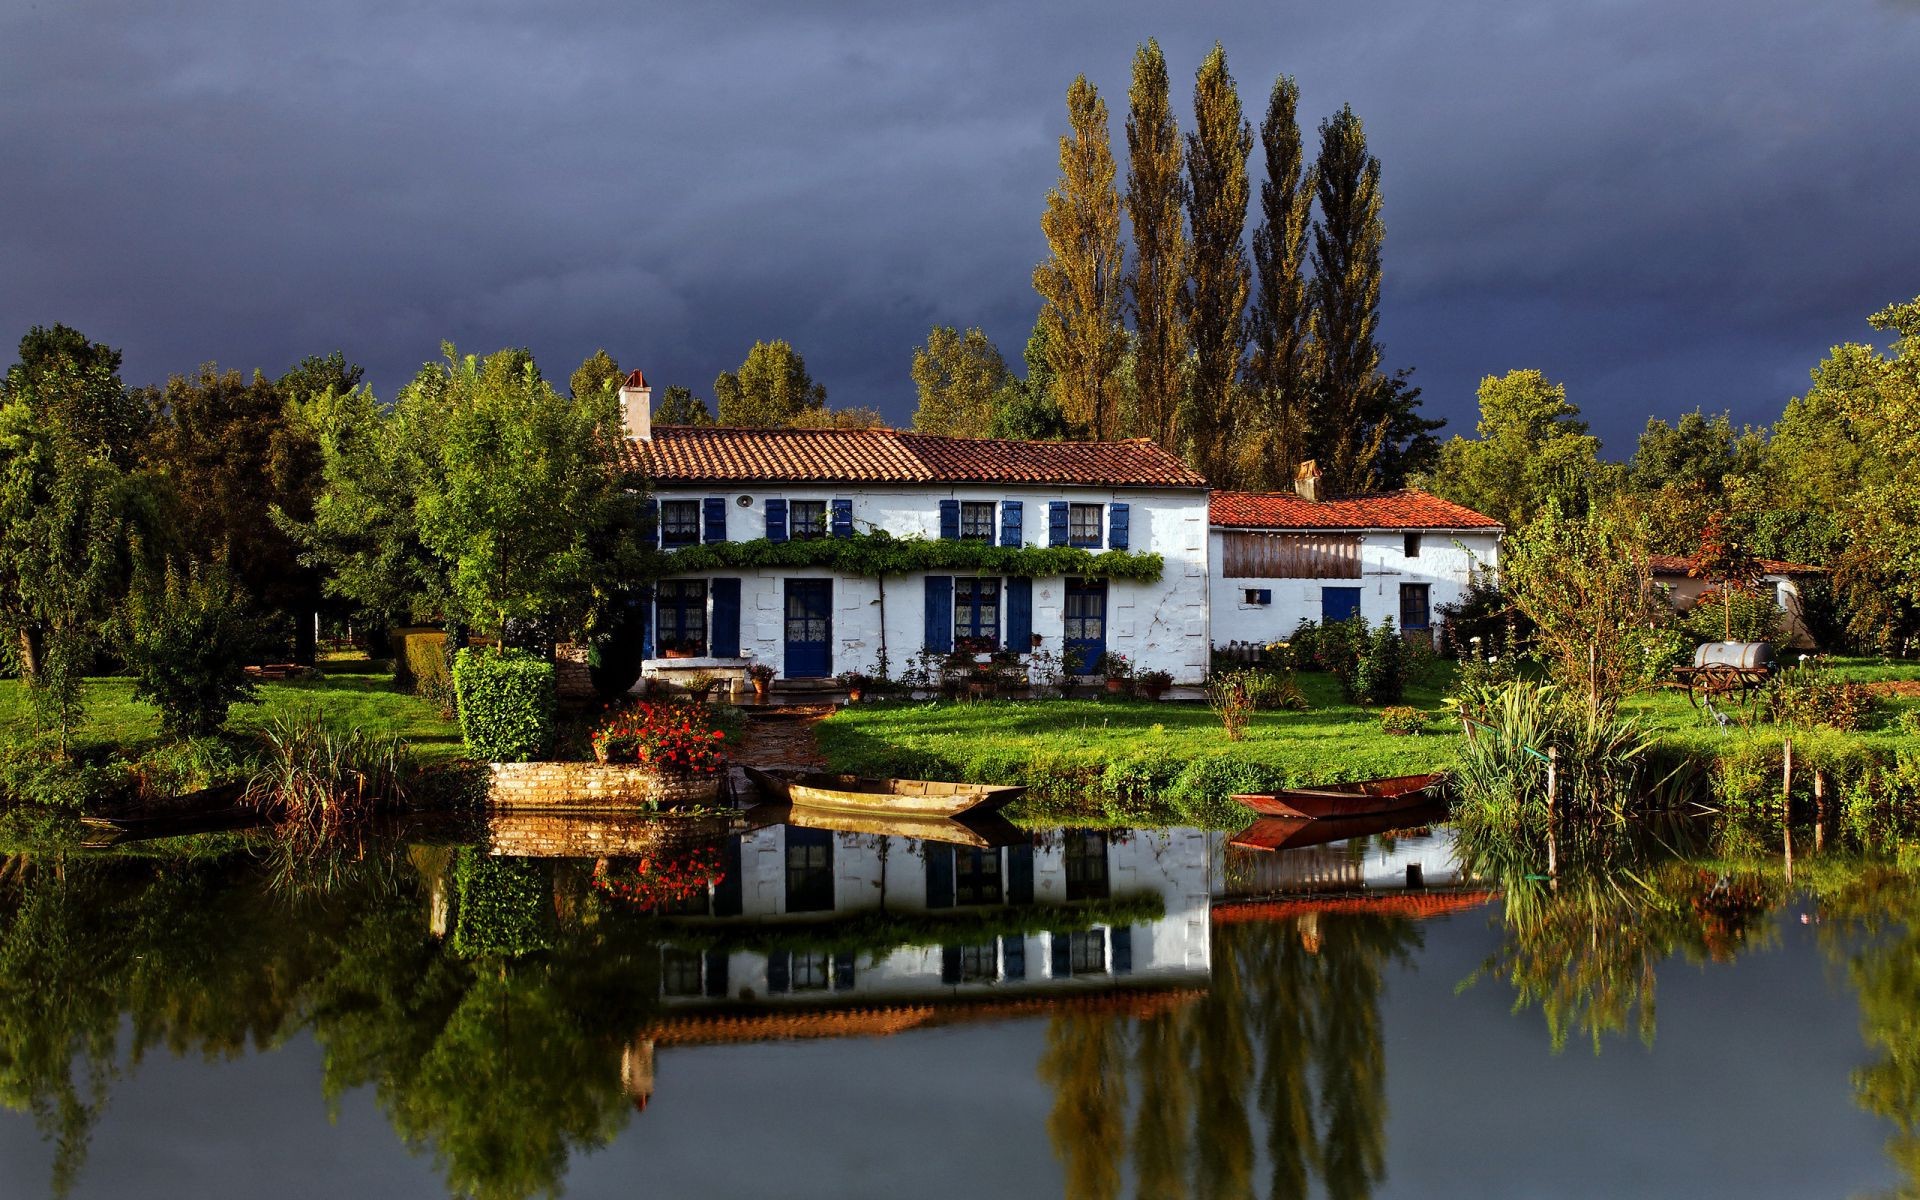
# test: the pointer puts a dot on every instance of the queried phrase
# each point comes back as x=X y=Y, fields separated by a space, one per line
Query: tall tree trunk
x=31 y=654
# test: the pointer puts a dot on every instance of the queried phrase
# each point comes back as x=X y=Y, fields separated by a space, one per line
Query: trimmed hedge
x=501 y=906
x=506 y=704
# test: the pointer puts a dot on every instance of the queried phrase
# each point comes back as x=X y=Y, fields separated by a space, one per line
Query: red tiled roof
x=1415 y=905
x=716 y=454
x=1678 y=564
x=1388 y=510
x=885 y=1019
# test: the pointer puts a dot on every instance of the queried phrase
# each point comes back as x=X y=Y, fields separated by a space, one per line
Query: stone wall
x=578 y=786
x=572 y=680
x=534 y=833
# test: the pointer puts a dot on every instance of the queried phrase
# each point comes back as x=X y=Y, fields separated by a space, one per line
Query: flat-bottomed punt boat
x=1365 y=798
x=881 y=797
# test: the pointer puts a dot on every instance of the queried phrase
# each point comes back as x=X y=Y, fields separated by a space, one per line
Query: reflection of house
x=780 y=487
x=809 y=917
x=1781 y=581
x=1280 y=558
x=1409 y=860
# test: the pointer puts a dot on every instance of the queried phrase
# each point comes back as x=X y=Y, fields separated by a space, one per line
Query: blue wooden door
x=1086 y=614
x=809 y=628
x=1339 y=603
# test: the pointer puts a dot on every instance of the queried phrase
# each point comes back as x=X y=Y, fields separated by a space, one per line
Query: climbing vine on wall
x=877 y=554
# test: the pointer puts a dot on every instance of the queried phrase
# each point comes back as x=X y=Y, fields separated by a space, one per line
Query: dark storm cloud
x=1664 y=205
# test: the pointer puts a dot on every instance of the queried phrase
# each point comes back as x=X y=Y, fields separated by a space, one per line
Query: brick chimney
x=636 y=407
x=1306 y=480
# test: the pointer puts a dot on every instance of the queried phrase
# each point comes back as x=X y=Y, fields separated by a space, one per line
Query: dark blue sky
x=1664 y=205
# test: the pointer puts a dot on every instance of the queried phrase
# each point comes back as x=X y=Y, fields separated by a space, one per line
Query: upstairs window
x=976 y=615
x=1412 y=545
x=807 y=519
x=680 y=972
x=976 y=876
x=979 y=964
x=1084 y=525
x=682 y=605
x=809 y=870
x=976 y=521
x=1086 y=861
x=679 y=522
x=1089 y=952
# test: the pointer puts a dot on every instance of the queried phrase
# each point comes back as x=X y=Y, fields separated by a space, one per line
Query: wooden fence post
x=1786 y=774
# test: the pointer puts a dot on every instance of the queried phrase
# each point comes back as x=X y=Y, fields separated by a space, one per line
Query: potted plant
x=678 y=649
x=1116 y=670
x=700 y=685
x=1153 y=684
x=854 y=683
x=760 y=675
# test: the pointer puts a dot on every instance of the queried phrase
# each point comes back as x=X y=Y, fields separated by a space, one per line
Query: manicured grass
x=352 y=693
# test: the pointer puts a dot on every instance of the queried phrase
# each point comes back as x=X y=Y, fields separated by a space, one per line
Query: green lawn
x=352 y=693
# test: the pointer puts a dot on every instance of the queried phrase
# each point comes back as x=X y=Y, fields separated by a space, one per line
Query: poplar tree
x=1081 y=282
x=958 y=376
x=1156 y=199
x=1346 y=298
x=1280 y=373
x=679 y=406
x=1217 y=288
x=771 y=389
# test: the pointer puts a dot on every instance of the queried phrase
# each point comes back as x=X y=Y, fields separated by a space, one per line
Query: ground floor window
x=976 y=614
x=1415 y=612
x=811 y=971
x=1089 y=952
x=979 y=964
x=680 y=972
x=976 y=876
x=1086 y=860
x=682 y=605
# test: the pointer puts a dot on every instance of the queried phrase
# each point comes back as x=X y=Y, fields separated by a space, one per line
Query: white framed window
x=1085 y=525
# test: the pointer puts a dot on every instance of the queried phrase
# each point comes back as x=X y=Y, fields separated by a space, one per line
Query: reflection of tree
x=1873 y=927
x=1160 y=1136
x=1086 y=1064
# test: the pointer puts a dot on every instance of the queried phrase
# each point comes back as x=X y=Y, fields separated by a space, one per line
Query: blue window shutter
x=716 y=974
x=646 y=623
x=843 y=518
x=1120 y=961
x=776 y=520
x=1020 y=873
x=940 y=613
x=1019 y=615
x=939 y=875
x=950 y=520
x=713 y=519
x=779 y=968
x=727 y=894
x=724 y=637
x=1010 y=515
x=1117 y=526
x=949 y=964
x=843 y=971
x=1013 y=957
x=1056 y=522
x=650 y=523
x=1062 y=956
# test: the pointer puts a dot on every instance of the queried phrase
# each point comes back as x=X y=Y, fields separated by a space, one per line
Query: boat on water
x=1363 y=798
x=921 y=798
x=212 y=810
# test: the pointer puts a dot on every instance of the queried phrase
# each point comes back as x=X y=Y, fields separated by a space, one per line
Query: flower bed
x=677 y=739
x=655 y=882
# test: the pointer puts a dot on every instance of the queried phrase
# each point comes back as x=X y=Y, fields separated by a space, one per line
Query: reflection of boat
x=208 y=811
x=889 y=797
x=983 y=831
x=1365 y=798
x=1294 y=833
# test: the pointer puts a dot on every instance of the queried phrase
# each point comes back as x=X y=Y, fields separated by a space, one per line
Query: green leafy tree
x=1080 y=282
x=1346 y=299
x=74 y=384
x=771 y=388
x=958 y=376
x=679 y=406
x=1219 y=278
x=597 y=373
x=1156 y=199
x=1531 y=447
x=1281 y=372
x=319 y=374
x=1692 y=468
x=187 y=636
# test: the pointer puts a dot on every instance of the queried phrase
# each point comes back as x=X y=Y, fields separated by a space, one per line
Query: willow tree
x=1080 y=281
x=1156 y=196
x=1219 y=279
x=1346 y=298
x=1280 y=373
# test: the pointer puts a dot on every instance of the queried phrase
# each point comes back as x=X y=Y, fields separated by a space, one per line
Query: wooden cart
x=1723 y=669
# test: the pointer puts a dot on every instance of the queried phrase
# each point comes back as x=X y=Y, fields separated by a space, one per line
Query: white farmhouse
x=1280 y=558
x=716 y=484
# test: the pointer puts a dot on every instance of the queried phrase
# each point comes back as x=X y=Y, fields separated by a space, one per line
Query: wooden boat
x=1365 y=798
x=1296 y=833
x=890 y=797
x=213 y=810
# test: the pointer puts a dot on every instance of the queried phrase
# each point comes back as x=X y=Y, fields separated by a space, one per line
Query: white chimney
x=1306 y=480
x=636 y=407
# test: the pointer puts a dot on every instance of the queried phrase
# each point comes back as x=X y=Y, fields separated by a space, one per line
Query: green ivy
x=876 y=554
x=506 y=704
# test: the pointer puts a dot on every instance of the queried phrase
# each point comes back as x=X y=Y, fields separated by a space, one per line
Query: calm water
x=833 y=1014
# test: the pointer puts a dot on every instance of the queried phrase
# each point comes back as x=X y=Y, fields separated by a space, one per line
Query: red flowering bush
x=677 y=738
x=656 y=882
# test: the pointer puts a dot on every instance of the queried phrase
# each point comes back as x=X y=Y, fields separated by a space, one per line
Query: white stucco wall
x=1685 y=590
x=1158 y=626
x=1445 y=560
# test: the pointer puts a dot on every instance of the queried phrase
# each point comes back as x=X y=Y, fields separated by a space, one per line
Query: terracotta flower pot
x=1115 y=685
x=853 y=695
x=759 y=689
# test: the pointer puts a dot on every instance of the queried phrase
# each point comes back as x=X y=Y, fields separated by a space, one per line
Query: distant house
x=1280 y=558
x=715 y=484
x=1781 y=581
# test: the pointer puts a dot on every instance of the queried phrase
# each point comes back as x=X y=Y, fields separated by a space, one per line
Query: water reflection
x=1213 y=1005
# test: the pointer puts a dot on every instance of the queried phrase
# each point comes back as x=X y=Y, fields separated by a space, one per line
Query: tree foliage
x=679 y=406
x=1156 y=199
x=597 y=373
x=959 y=377
x=1347 y=241
x=1080 y=282
x=186 y=634
x=73 y=384
x=1281 y=372
x=1216 y=295
x=771 y=388
x=1532 y=447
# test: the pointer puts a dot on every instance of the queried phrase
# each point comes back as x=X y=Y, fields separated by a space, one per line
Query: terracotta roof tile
x=1415 y=905
x=714 y=454
x=1388 y=510
x=1678 y=564
x=884 y=1019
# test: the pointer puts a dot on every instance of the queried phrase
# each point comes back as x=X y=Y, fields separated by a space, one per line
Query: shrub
x=1753 y=618
x=506 y=703
x=1381 y=677
x=1275 y=691
x=1812 y=695
x=320 y=779
x=187 y=637
x=1511 y=728
x=501 y=905
x=1399 y=718
x=679 y=738
x=34 y=773
x=420 y=665
x=1231 y=698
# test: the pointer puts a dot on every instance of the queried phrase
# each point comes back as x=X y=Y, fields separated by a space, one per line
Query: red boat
x=1297 y=833
x=1365 y=798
